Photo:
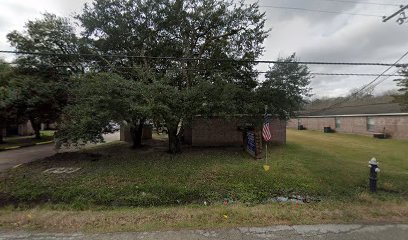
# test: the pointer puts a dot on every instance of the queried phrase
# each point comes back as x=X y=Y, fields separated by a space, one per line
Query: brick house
x=388 y=119
x=219 y=131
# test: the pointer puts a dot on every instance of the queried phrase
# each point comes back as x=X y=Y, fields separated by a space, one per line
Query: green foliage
x=403 y=84
x=166 y=90
x=100 y=100
x=50 y=34
x=42 y=99
x=9 y=98
x=314 y=164
x=42 y=80
x=285 y=87
x=194 y=29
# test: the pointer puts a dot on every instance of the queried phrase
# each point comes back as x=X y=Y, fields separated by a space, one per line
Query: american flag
x=266 y=132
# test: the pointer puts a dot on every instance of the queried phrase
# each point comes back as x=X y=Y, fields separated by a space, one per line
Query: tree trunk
x=174 y=140
x=36 y=127
x=136 y=133
x=3 y=128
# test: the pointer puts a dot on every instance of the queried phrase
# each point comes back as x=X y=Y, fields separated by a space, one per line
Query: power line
x=320 y=11
x=357 y=74
x=403 y=56
x=182 y=59
x=402 y=17
x=365 y=86
x=362 y=2
x=382 y=80
x=219 y=70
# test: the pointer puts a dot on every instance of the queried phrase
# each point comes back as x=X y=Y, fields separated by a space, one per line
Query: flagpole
x=266 y=146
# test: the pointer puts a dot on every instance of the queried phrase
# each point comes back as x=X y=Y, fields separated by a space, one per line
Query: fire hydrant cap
x=373 y=161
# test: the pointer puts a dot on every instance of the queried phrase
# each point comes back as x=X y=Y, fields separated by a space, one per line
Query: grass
x=16 y=142
x=201 y=217
x=115 y=180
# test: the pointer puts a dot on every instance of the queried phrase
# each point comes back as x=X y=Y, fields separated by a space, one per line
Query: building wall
x=278 y=131
x=188 y=137
x=219 y=131
x=394 y=126
x=25 y=129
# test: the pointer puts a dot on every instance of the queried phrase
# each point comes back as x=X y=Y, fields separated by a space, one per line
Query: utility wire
x=320 y=11
x=182 y=59
x=219 y=70
x=387 y=77
x=362 y=2
x=375 y=79
x=358 y=74
x=365 y=86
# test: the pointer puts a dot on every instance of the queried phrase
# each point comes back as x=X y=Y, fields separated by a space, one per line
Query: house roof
x=376 y=106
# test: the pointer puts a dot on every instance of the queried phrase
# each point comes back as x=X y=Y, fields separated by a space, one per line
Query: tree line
x=90 y=77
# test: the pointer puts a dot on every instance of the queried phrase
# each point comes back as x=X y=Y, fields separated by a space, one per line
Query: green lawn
x=321 y=166
x=16 y=142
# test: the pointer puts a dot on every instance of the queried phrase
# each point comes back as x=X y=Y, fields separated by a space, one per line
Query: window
x=338 y=122
x=370 y=124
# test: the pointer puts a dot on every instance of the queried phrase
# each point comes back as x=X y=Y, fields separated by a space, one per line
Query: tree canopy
x=101 y=100
x=8 y=98
x=42 y=78
x=211 y=29
x=285 y=87
x=167 y=60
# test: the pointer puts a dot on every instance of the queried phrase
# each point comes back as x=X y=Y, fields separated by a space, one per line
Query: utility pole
x=402 y=16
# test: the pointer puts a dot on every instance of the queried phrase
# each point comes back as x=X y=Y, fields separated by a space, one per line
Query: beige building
x=394 y=125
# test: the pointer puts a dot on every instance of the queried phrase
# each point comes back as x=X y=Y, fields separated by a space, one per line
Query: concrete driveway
x=13 y=158
x=299 y=232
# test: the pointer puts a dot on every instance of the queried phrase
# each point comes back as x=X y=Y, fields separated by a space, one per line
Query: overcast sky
x=313 y=36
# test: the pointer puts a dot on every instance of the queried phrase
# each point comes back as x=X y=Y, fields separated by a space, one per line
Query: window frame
x=370 y=124
x=337 y=122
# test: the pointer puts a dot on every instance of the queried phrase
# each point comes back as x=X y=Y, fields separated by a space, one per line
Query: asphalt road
x=13 y=158
x=307 y=232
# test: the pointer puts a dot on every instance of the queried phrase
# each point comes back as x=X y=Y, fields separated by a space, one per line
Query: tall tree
x=54 y=44
x=99 y=101
x=44 y=73
x=285 y=87
x=211 y=29
x=8 y=98
x=41 y=99
x=403 y=84
x=119 y=30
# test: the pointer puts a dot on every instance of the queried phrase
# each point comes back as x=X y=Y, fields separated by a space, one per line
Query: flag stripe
x=266 y=132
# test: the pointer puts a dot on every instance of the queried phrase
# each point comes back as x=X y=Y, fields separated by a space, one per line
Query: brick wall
x=278 y=131
x=292 y=123
x=394 y=126
x=216 y=131
x=219 y=131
